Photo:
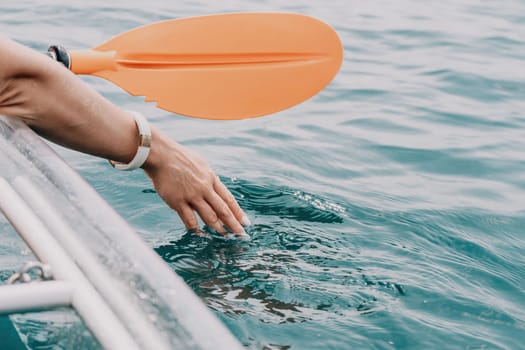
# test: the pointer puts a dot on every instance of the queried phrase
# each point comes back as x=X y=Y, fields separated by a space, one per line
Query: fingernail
x=245 y=221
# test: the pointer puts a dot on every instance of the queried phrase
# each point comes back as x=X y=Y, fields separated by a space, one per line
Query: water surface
x=387 y=211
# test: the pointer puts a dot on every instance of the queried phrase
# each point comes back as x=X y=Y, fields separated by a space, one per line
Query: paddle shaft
x=85 y=61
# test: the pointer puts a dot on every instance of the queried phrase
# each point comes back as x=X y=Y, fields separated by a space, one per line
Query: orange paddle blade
x=228 y=66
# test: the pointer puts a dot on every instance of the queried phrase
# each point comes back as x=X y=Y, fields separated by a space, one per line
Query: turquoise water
x=387 y=212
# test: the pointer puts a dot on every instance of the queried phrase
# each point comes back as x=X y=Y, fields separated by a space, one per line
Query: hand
x=187 y=184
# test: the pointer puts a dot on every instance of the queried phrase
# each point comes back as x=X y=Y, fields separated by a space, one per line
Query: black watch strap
x=59 y=54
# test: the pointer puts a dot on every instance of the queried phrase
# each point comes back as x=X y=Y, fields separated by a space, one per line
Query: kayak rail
x=126 y=294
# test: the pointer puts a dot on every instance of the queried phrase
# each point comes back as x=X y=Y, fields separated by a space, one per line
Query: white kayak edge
x=143 y=292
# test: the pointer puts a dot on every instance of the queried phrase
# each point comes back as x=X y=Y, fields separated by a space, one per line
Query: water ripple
x=387 y=210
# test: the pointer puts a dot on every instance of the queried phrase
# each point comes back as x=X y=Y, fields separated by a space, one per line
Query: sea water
x=388 y=211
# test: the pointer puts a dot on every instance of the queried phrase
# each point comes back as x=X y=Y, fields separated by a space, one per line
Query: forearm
x=59 y=106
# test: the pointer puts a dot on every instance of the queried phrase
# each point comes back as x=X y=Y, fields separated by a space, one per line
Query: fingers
x=216 y=209
x=224 y=213
x=209 y=216
x=230 y=201
x=188 y=217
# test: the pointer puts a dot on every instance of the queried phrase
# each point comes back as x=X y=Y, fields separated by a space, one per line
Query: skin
x=60 y=107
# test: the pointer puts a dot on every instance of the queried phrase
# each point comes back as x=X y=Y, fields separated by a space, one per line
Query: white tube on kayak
x=99 y=317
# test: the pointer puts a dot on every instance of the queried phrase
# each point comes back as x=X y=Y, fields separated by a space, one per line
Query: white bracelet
x=144 y=145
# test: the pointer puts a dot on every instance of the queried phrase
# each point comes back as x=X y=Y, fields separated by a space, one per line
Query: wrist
x=158 y=148
x=142 y=153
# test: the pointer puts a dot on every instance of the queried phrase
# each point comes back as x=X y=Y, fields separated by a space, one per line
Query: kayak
x=91 y=259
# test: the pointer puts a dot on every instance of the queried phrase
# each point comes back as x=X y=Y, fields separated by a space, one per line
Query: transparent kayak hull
x=111 y=271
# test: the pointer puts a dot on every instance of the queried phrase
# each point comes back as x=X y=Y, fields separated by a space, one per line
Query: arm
x=60 y=107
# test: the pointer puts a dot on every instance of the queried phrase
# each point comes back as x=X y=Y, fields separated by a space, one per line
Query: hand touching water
x=187 y=184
